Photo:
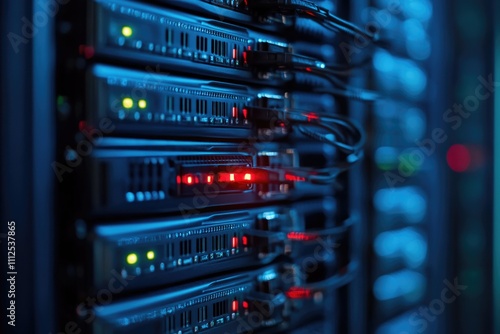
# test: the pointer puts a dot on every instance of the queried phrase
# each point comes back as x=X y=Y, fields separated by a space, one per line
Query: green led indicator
x=132 y=258
x=142 y=104
x=127 y=103
x=60 y=100
x=127 y=31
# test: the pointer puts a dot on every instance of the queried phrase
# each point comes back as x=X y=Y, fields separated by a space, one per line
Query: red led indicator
x=235 y=112
x=86 y=51
x=298 y=293
x=300 y=236
x=178 y=179
x=235 y=242
x=235 y=306
x=234 y=53
x=291 y=177
x=236 y=177
x=459 y=158
x=82 y=125
x=224 y=177
x=308 y=69
x=245 y=305
x=244 y=240
x=244 y=57
x=310 y=116
x=190 y=179
x=245 y=113
x=210 y=179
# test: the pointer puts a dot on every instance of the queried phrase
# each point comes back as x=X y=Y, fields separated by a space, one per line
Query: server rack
x=202 y=175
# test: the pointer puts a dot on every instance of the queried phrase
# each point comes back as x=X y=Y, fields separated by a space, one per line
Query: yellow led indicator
x=132 y=258
x=150 y=255
x=127 y=103
x=143 y=104
x=127 y=31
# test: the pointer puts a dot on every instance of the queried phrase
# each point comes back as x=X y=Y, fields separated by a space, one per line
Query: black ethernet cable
x=303 y=8
x=336 y=130
x=295 y=62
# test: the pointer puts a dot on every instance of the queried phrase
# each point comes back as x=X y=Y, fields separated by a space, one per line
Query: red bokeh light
x=458 y=158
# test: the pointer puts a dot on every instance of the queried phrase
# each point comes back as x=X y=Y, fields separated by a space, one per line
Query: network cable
x=290 y=61
x=310 y=10
x=336 y=131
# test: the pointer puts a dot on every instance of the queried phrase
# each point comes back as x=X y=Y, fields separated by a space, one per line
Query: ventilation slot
x=219 y=48
x=184 y=39
x=219 y=109
x=219 y=242
x=201 y=107
x=170 y=104
x=169 y=251
x=201 y=245
x=185 y=105
x=185 y=247
x=202 y=313
x=186 y=319
x=214 y=159
x=170 y=324
x=169 y=37
x=201 y=44
x=219 y=308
